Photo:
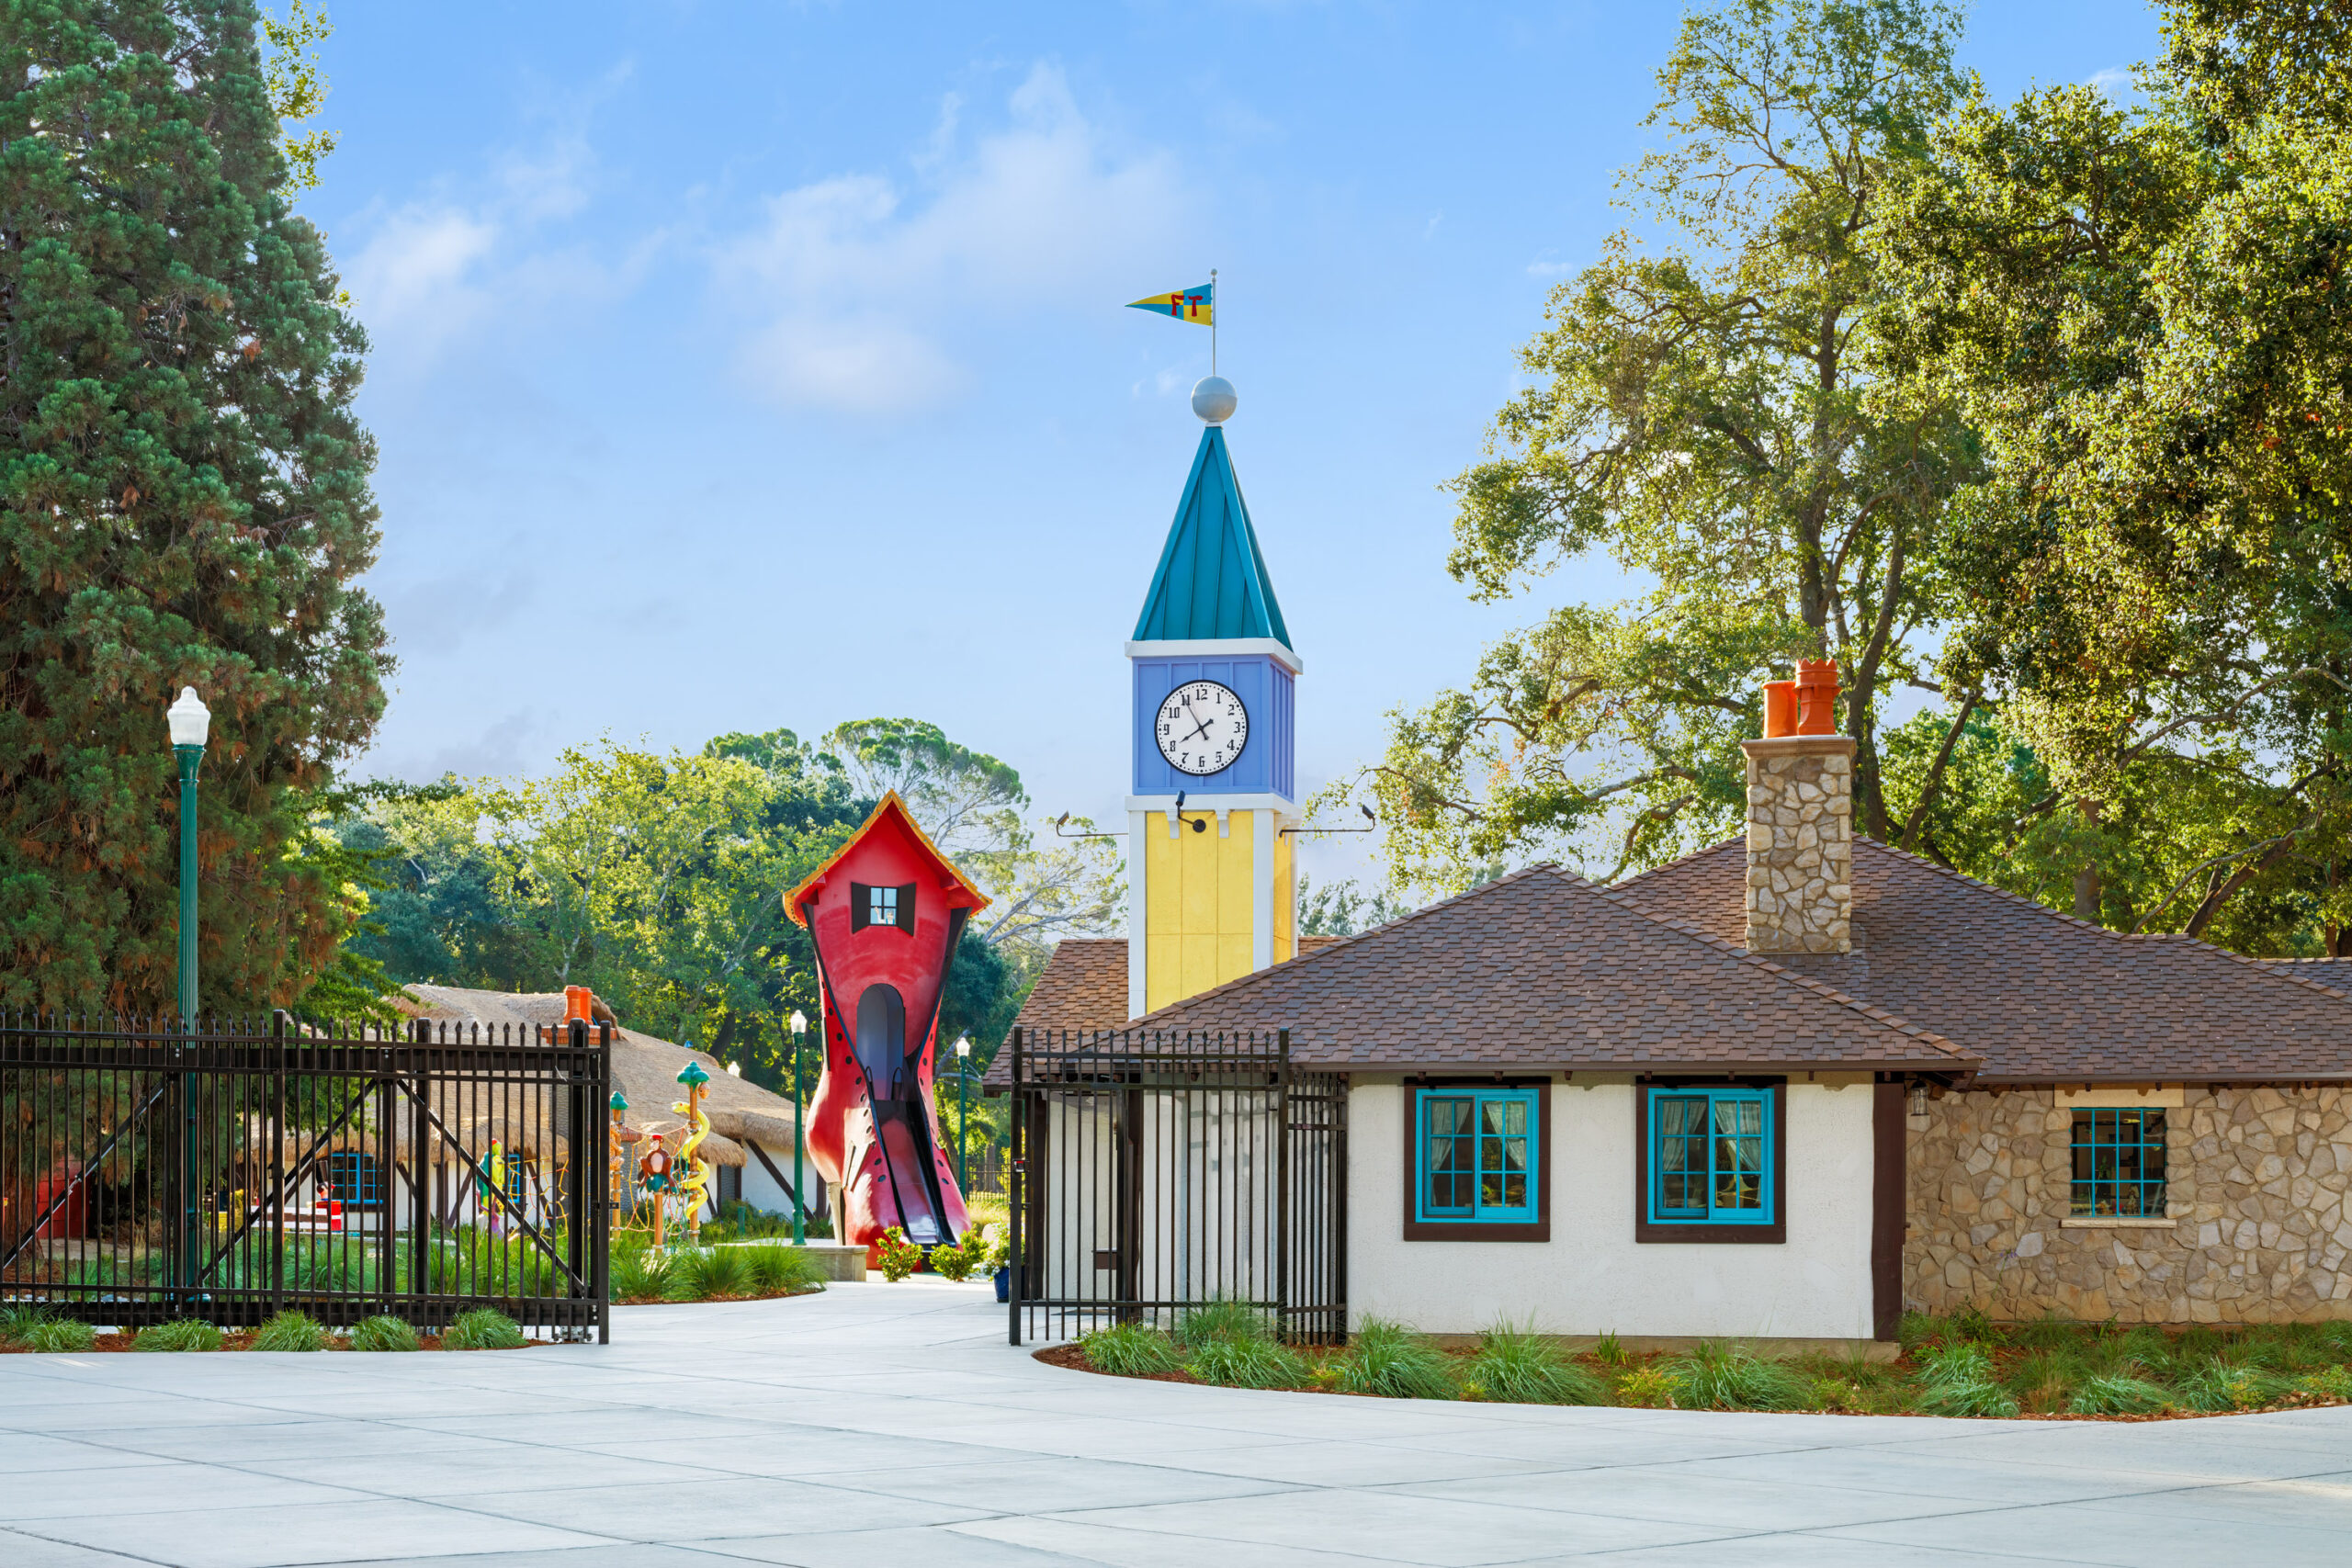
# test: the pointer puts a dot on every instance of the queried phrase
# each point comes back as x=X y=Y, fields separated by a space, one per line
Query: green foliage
x=781 y=1270
x=956 y=1261
x=1648 y=1388
x=2219 y=1385
x=484 y=1328
x=1707 y=414
x=184 y=499
x=1519 y=1366
x=59 y=1335
x=703 y=1274
x=1130 y=1350
x=298 y=89
x=1342 y=908
x=1388 y=1359
x=1220 y=1320
x=290 y=1330
x=896 y=1256
x=1609 y=1351
x=1956 y=1379
x=1716 y=1375
x=2117 y=1393
x=1245 y=1363
x=16 y=1321
x=383 y=1332
x=637 y=1276
x=2332 y=1382
x=186 y=1334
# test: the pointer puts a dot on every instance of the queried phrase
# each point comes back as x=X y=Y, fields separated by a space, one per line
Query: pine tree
x=184 y=499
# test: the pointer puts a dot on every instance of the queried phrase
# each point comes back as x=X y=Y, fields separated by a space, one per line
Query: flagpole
x=1211 y=321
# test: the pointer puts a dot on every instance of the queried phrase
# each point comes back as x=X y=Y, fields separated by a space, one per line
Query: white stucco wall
x=1591 y=1277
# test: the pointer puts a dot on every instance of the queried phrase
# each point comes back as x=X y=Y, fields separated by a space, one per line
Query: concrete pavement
x=880 y=1423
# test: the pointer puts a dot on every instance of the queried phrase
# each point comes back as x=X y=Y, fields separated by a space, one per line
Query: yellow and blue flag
x=1197 y=306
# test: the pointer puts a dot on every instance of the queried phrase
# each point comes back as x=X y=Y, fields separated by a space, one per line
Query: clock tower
x=1210 y=876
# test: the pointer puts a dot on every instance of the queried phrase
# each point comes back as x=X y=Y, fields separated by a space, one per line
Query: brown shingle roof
x=1542 y=969
x=2042 y=996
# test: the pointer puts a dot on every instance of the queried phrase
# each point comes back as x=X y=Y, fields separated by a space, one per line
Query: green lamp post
x=963 y=1114
x=799 y=1209
x=191 y=726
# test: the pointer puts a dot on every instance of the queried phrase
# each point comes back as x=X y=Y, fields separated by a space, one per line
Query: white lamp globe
x=1213 y=399
x=190 y=720
x=963 y=1046
x=799 y=1021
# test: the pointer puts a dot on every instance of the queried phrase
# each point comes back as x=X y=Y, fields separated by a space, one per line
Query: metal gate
x=149 y=1172
x=1155 y=1172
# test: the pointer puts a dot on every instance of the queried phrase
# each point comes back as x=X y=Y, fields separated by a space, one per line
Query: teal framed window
x=356 y=1178
x=1476 y=1163
x=2119 y=1165
x=1713 y=1157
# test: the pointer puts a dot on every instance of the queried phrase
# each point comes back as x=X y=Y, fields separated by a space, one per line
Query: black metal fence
x=1155 y=1172
x=228 y=1171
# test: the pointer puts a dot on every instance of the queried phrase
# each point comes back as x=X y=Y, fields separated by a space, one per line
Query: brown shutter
x=906 y=909
x=861 y=905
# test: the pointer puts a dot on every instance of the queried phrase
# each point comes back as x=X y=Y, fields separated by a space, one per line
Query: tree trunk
x=2087 y=898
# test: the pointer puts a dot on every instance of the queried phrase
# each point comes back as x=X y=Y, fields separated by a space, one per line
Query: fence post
x=1281 y=1184
x=592 y=1179
x=420 y=1167
x=277 y=1162
x=1015 y=1189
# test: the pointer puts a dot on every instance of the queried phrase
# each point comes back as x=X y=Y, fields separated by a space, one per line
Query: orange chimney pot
x=1816 y=694
x=576 y=1000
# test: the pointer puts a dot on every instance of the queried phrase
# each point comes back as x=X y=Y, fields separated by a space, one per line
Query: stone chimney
x=1800 y=819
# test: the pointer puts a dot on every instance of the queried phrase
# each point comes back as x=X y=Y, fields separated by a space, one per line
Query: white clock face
x=1202 y=727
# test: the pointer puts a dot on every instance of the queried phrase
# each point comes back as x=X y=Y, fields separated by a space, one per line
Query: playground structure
x=885 y=915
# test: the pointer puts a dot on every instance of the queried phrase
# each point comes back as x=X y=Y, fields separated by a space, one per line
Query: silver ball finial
x=1213 y=399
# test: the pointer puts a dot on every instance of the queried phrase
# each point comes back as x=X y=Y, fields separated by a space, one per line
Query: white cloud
x=1550 y=269
x=2116 y=82
x=860 y=287
x=415 y=282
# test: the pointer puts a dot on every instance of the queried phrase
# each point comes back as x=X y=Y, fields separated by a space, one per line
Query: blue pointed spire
x=1212 y=580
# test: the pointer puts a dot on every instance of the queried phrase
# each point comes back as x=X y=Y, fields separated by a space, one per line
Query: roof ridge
x=1671 y=864
x=1868 y=1010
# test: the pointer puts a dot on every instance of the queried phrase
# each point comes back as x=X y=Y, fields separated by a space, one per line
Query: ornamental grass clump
x=186 y=1334
x=781 y=1270
x=384 y=1331
x=1130 y=1350
x=2119 y=1394
x=1246 y=1364
x=1719 y=1376
x=1388 y=1359
x=290 y=1330
x=60 y=1336
x=1956 y=1379
x=1517 y=1367
x=15 y=1322
x=637 y=1275
x=717 y=1273
x=483 y=1329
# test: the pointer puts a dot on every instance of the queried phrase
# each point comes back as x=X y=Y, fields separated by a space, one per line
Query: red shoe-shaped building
x=885 y=915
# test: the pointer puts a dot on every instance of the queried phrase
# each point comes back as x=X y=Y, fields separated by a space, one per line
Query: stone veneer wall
x=1799 y=843
x=2258 y=1183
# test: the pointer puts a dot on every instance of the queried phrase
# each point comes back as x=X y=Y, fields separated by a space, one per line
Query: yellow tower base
x=1215 y=900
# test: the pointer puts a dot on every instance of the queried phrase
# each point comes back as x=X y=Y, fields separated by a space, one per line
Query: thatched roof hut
x=645 y=1069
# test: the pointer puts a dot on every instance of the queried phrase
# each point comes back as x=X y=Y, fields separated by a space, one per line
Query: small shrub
x=1717 y=1376
x=1130 y=1350
x=1390 y=1360
x=2119 y=1394
x=60 y=1336
x=1916 y=1331
x=1517 y=1367
x=1971 y=1324
x=1220 y=1320
x=15 y=1322
x=781 y=1270
x=1608 y=1352
x=708 y=1274
x=383 y=1332
x=637 y=1275
x=1246 y=1364
x=290 y=1330
x=187 y=1333
x=483 y=1328
x=1835 y=1393
x=1647 y=1388
x=2334 y=1382
x=1956 y=1379
x=956 y=1261
x=2046 y=1380
x=896 y=1256
x=2219 y=1385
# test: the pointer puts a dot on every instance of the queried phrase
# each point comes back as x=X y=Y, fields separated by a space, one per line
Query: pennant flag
x=1197 y=306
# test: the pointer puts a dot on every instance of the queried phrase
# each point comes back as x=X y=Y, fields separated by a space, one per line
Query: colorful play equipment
x=653 y=1177
x=884 y=914
x=697 y=1177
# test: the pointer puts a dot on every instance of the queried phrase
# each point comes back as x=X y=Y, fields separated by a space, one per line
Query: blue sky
x=758 y=364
